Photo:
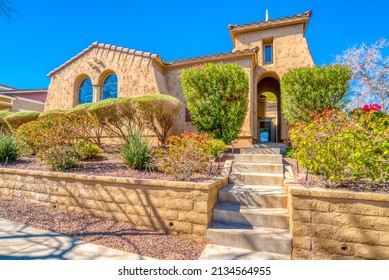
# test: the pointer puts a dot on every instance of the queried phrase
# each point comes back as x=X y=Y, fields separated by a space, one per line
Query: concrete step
x=272 y=168
x=253 y=196
x=256 y=217
x=229 y=213
x=257 y=239
x=259 y=179
x=254 y=158
x=266 y=217
x=280 y=146
x=218 y=252
x=261 y=151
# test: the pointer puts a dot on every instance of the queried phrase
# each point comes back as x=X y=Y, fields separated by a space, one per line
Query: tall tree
x=370 y=74
x=6 y=10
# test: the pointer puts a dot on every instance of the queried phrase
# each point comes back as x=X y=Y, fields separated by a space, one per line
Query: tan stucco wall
x=290 y=50
x=180 y=208
x=175 y=89
x=19 y=105
x=137 y=75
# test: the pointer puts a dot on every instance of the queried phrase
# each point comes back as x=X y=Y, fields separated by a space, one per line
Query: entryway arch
x=269 y=113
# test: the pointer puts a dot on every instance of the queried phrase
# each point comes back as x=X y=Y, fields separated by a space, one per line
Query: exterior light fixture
x=212 y=159
x=233 y=143
x=220 y=154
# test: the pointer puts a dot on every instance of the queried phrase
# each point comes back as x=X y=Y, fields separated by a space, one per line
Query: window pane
x=86 y=91
x=110 y=87
x=268 y=54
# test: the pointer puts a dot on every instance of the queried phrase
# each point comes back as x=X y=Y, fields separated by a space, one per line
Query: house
x=266 y=50
x=16 y=100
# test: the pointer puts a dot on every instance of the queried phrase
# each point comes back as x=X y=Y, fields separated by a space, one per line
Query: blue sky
x=44 y=34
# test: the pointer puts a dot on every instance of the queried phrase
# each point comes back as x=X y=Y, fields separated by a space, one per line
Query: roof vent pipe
x=267 y=15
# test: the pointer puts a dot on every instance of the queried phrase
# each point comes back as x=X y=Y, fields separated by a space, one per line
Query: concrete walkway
x=22 y=242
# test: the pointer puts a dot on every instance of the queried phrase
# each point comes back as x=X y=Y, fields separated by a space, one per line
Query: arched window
x=85 y=92
x=110 y=87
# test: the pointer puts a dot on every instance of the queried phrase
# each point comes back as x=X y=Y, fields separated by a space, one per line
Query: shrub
x=51 y=113
x=10 y=149
x=312 y=89
x=15 y=120
x=60 y=157
x=215 y=146
x=3 y=125
x=344 y=146
x=184 y=156
x=217 y=97
x=156 y=112
x=116 y=115
x=88 y=128
x=48 y=132
x=136 y=152
x=87 y=150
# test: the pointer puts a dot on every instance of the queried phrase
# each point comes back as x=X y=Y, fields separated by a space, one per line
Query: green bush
x=86 y=127
x=60 y=157
x=312 y=89
x=3 y=125
x=215 y=146
x=136 y=152
x=115 y=115
x=157 y=112
x=87 y=150
x=343 y=146
x=10 y=149
x=15 y=120
x=51 y=113
x=185 y=155
x=217 y=97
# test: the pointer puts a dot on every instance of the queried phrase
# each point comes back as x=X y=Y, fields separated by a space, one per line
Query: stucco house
x=16 y=100
x=266 y=50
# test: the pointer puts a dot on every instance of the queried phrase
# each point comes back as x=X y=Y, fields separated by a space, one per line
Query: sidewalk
x=22 y=242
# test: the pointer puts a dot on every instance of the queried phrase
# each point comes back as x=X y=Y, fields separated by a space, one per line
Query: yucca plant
x=10 y=148
x=137 y=152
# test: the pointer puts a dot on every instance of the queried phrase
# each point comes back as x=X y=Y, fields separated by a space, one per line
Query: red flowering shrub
x=186 y=155
x=344 y=146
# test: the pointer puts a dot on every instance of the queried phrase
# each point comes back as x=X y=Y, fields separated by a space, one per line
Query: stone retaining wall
x=330 y=224
x=180 y=208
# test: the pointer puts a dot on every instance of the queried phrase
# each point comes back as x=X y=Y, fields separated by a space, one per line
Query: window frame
x=265 y=47
x=81 y=87
x=110 y=84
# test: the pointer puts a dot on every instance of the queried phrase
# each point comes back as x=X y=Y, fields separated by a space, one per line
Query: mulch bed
x=119 y=235
x=311 y=181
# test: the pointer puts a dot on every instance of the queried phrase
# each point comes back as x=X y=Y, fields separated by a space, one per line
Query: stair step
x=261 y=151
x=272 y=168
x=259 y=179
x=253 y=158
x=258 y=239
x=253 y=196
x=281 y=146
x=254 y=217
x=218 y=252
x=266 y=217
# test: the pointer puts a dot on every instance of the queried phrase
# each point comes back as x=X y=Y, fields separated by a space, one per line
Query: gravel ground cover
x=118 y=235
x=300 y=175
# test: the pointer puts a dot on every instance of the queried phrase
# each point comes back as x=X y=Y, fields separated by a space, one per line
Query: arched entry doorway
x=269 y=110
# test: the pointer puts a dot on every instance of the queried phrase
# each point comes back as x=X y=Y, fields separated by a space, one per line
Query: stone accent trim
x=179 y=208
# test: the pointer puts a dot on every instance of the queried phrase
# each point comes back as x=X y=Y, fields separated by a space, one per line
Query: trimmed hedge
x=157 y=112
x=3 y=124
x=51 y=113
x=17 y=119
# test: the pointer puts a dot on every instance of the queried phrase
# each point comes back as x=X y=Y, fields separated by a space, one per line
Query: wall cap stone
x=208 y=185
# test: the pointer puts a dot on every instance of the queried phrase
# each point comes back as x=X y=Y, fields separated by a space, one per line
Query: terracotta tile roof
x=270 y=22
x=103 y=46
x=213 y=56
